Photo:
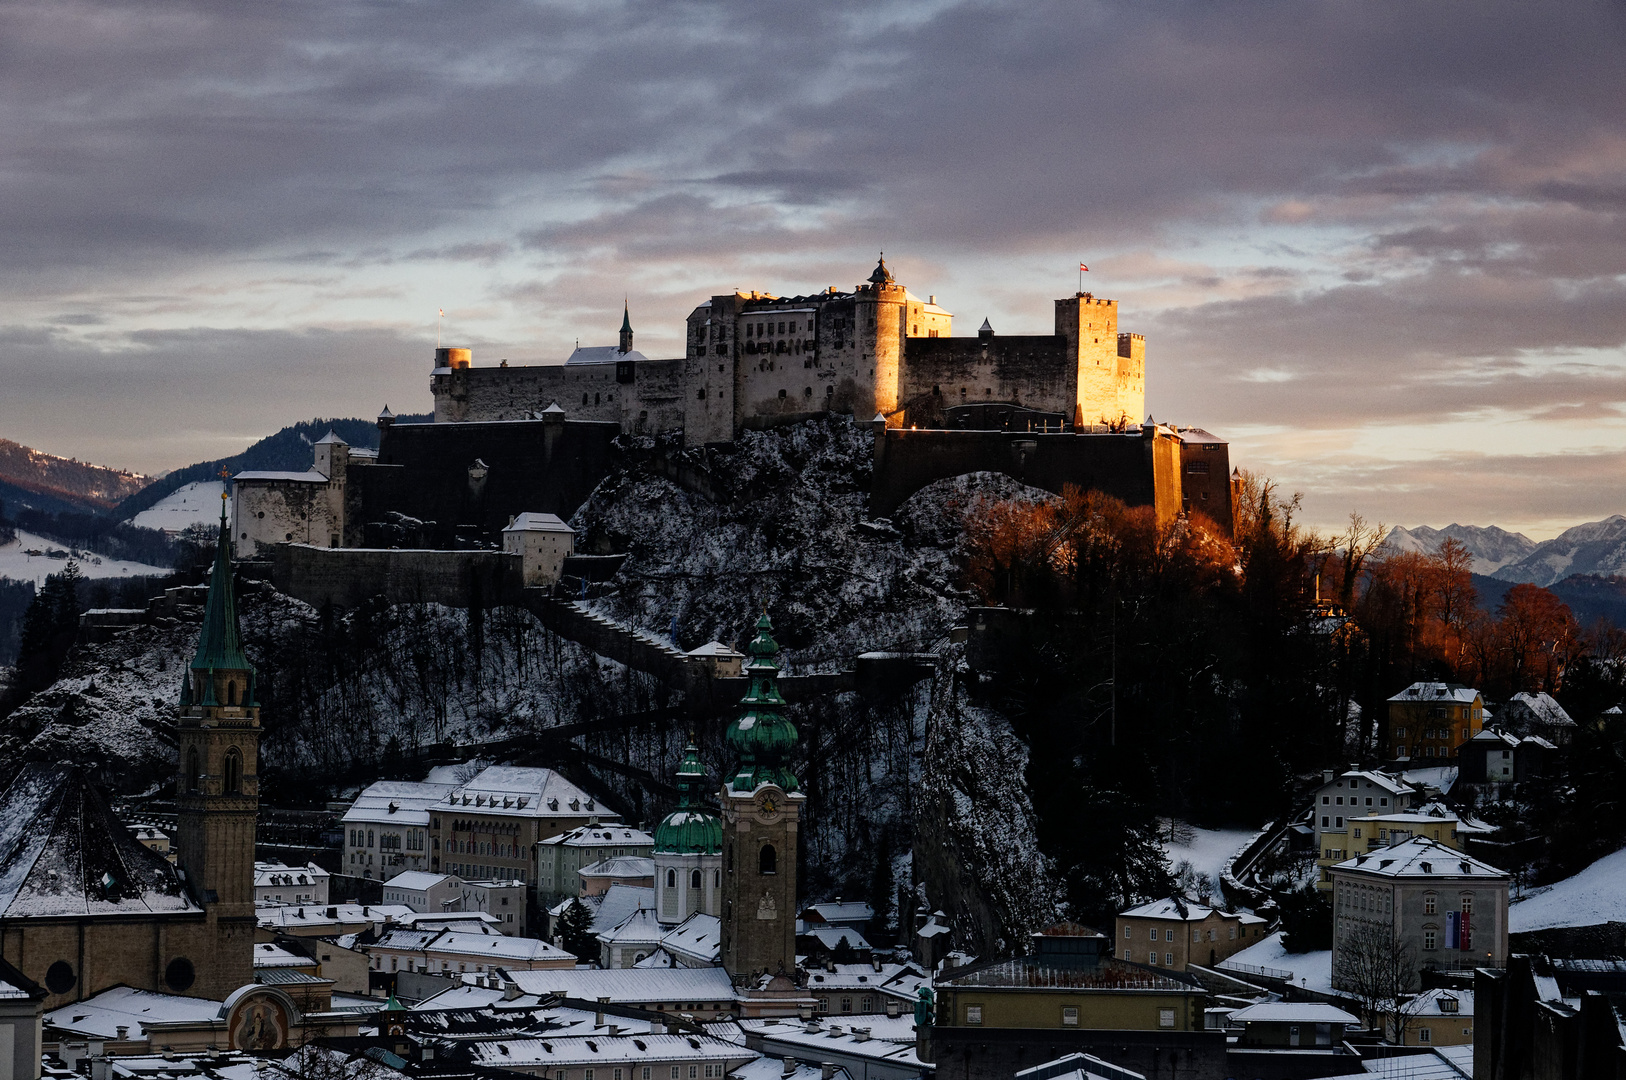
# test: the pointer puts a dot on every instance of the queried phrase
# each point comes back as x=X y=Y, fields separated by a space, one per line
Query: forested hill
x=288 y=449
x=48 y=482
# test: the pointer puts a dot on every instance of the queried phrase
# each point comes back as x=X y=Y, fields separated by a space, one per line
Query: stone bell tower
x=217 y=784
x=761 y=811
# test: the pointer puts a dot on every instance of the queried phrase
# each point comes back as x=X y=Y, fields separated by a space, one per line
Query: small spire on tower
x=626 y=326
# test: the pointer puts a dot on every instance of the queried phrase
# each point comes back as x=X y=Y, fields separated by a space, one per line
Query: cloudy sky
x=1378 y=245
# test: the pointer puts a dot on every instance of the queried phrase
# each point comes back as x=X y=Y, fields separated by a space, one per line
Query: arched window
x=193 y=773
x=231 y=692
x=671 y=879
x=369 y=838
x=233 y=769
x=694 y=879
x=716 y=878
x=768 y=860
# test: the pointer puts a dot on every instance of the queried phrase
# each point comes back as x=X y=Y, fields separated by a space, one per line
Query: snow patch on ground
x=18 y=565
x=196 y=503
x=1595 y=895
x=1311 y=970
x=1208 y=850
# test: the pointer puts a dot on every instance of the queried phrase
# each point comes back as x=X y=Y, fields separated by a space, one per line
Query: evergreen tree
x=576 y=932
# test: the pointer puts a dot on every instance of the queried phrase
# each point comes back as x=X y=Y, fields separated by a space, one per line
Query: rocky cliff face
x=912 y=769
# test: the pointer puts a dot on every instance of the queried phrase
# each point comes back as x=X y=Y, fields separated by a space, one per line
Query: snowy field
x=1595 y=895
x=197 y=502
x=1312 y=970
x=1208 y=850
x=18 y=565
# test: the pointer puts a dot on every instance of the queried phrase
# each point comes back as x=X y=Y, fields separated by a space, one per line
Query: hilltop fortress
x=1047 y=409
x=754 y=359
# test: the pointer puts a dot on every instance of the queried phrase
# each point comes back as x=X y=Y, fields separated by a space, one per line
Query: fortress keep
x=753 y=359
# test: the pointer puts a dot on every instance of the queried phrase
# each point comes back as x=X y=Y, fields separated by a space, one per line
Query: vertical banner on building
x=1451 y=925
x=1465 y=932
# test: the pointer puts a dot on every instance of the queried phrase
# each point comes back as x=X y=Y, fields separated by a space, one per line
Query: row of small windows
x=695 y=879
x=987 y=391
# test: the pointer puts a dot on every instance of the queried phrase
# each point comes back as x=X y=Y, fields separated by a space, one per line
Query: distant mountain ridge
x=1491 y=547
x=33 y=478
x=1594 y=549
x=288 y=449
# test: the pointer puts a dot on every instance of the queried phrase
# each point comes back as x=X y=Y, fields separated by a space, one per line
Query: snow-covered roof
x=269 y=874
x=424 y=920
x=1429 y=1003
x=274 y=916
x=639 y=928
x=618 y=902
x=622 y=866
x=331 y=439
x=531 y=522
x=772 y=1068
x=1381 y=780
x=101 y=1016
x=518 y=791
x=837 y=912
x=309 y=476
x=599 y=835
x=488 y=946
x=62 y=852
x=601 y=354
x=629 y=986
x=1491 y=735
x=1436 y=693
x=1421 y=857
x=699 y=937
x=559 y=1053
x=1541 y=707
x=832 y=937
x=836 y=1035
x=1295 y=1012
x=269 y=955
x=896 y=980
x=404 y=802
x=1170 y=908
x=717 y=649
x=417 y=880
x=660 y=958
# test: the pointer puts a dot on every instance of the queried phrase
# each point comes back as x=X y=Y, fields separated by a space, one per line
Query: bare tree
x=1380 y=969
x=1357 y=543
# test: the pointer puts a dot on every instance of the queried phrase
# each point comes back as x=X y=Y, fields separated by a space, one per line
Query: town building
x=1069 y=994
x=1437 y=1017
x=1421 y=905
x=484 y=829
x=1537 y=714
x=281 y=884
x=1177 y=932
x=1494 y=758
x=688 y=849
x=153 y=838
x=444 y=951
x=543 y=542
x=706 y=993
x=424 y=892
x=559 y=858
x=1344 y=797
x=634 y=870
x=504 y=901
x=1283 y=1039
x=276 y=507
x=864 y=1047
x=863 y=989
x=1429 y=720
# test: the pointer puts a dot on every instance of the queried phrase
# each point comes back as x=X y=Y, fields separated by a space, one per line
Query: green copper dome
x=220 y=643
x=763 y=739
x=691 y=829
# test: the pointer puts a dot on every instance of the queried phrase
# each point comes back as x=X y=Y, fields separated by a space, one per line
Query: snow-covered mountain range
x=1597 y=547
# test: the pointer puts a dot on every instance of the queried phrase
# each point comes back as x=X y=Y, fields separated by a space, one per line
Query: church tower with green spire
x=688 y=849
x=217 y=784
x=762 y=807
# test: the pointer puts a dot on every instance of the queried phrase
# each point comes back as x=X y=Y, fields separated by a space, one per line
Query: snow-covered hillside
x=1595 y=895
x=17 y=564
x=196 y=503
x=1491 y=547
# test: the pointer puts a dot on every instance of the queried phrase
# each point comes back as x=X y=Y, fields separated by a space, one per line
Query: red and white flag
x=1082 y=268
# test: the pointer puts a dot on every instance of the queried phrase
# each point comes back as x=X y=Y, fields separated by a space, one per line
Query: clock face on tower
x=770 y=802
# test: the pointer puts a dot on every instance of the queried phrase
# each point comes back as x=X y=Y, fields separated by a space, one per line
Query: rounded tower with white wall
x=688 y=849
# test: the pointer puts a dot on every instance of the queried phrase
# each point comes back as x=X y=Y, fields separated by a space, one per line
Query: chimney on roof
x=827 y=1070
x=789 y=1067
x=598 y=1017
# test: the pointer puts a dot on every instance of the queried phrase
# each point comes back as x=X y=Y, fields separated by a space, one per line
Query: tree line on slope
x=1169 y=669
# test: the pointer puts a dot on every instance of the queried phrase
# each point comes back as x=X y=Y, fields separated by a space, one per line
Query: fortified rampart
x=1141 y=467
x=345 y=577
x=482 y=474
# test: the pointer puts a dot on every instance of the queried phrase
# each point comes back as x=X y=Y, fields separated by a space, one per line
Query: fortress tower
x=882 y=324
x=761 y=814
x=217 y=783
x=1111 y=366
